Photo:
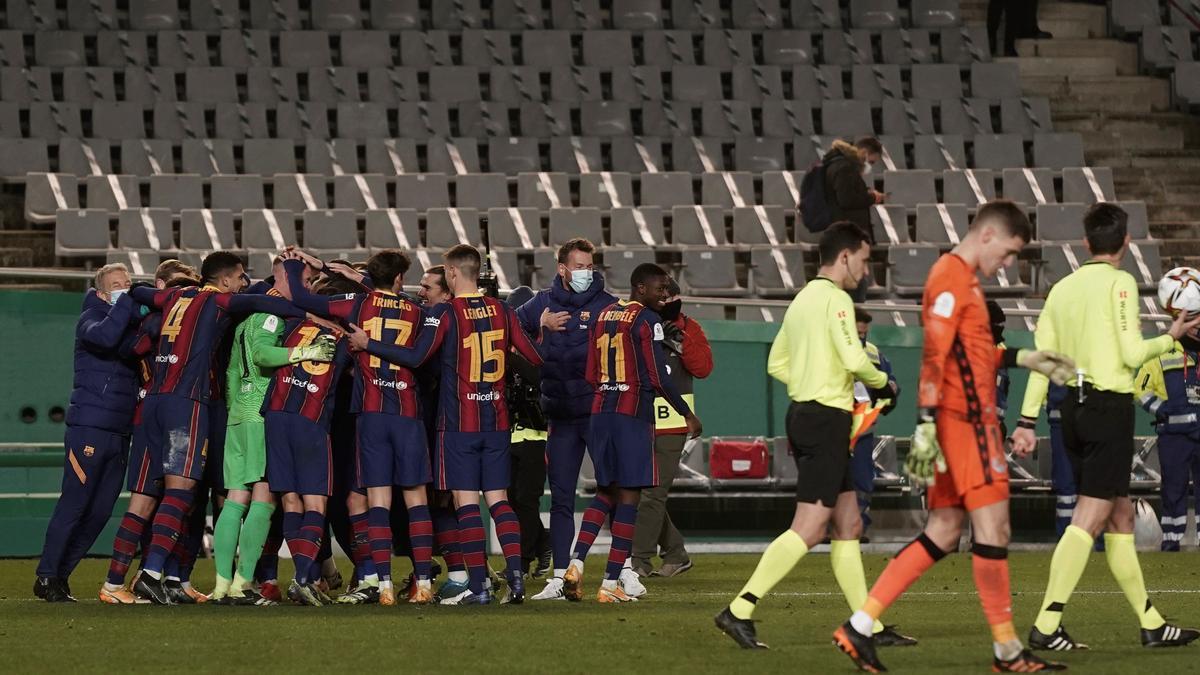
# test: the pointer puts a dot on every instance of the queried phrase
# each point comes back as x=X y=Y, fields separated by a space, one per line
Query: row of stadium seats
x=509 y=155
x=87 y=232
x=371 y=49
x=1164 y=46
x=292 y=15
x=46 y=193
x=512 y=84
x=1133 y=16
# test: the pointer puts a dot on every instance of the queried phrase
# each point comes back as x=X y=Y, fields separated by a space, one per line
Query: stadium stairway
x=1097 y=87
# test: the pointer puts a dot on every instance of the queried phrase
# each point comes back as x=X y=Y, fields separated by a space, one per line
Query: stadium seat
x=1060 y=222
x=1187 y=83
x=575 y=154
x=637 y=226
x=336 y=14
x=139 y=263
x=666 y=189
x=815 y=83
x=207 y=156
x=698 y=226
x=59 y=48
x=304 y=49
x=1144 y=262
x=874 y=82
x=936 y=81
x=908 y=266
x=968 y=186
x=1139 y=220
x=1029 y=187
x=518 y=15
x=843 y=47
x=1057 y=150
x=145 y=157
x=889 y=224
x=897 y=117
x=210 y=85
x=909 y=188
x=269 y=156
x=768 y=280
x=725 y=119
x=79 y=232
x=1088 y=185
x=635 y=154
x=945 y=151
x=206 y=230
x=46 y=193
x=1006 y=281
x=710 y=272
x=330 y=230
x=995 y=81
x=606 y=190
x=299 y=192
x=999 y=151
x=514 y=155
x=453 y=156
x=176 y=192
x=815 y=14
x=576 y=14
x=362 y=120
x=145 y=229
x=486 y=47
x=1164 y=46
x=759 y=154
x=569 y=223
x=449 y=227
x=481 y=191
x=965 y=116
x=422 y=191
x=1025 y=116
x=396 y=15
x=750 y=225
x=519 y=228
x=543 y=190
x=1131 y=16
x=965 y=45
x=360 y=192
x=935 y=13
x=112 y=192
x=727 y=189
x=936 y=222
x=54 y=120
x=847 y=119
x=727 y=48
x=268 y=229
x=82 y=157
x=697 y=155
x=279 y=16
x=386 y=156
x=340 y=155
x=392 y=228
x=88 y=85
x=237 y=193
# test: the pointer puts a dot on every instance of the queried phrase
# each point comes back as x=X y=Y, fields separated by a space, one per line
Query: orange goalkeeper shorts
x=976 y=470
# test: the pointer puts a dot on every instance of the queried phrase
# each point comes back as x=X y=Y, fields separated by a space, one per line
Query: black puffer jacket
x=845 y=190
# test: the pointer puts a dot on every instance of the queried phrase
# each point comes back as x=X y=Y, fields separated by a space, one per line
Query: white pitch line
x=837 y=594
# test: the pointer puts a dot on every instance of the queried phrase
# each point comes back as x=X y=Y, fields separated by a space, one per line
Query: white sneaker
x=632 y=584
x=457 y=599
x=552 y=591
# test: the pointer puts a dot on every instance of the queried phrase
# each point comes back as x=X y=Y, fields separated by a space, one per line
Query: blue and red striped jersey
x=307 y=388
x=143 y=350
x=626 y=365
x=475 y=334
x=194 y=323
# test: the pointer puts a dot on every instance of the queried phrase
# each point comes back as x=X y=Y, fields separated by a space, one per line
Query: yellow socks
x=1123 y=561
x=845 y=557
x=1066 y=568
x=779 y=559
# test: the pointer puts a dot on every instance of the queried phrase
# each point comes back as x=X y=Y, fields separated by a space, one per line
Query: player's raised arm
x=429 y=340
x=105 y=334
x=532 y=351
x=268 y=304
x=152 y=297
x=265 y=351
x=321 y=305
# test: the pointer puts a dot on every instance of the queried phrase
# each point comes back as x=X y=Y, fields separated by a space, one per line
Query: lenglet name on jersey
x=484 y=312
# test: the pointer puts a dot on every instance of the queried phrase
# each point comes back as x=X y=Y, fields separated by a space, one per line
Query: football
x=1179 y=291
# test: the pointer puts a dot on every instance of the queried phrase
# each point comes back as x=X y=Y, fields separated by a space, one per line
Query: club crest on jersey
x=88 y=451
x=585 y=316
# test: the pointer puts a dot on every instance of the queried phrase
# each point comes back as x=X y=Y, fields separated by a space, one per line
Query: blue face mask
x=581 y=280
x=114 y=296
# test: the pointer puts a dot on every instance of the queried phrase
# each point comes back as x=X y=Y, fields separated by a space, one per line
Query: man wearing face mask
x=99 y=422
x=564 y=313
x=846 y=192
x=688 y=356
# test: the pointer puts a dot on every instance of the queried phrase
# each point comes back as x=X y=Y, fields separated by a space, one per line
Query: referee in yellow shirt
x=1091 y=316
x=818 y=355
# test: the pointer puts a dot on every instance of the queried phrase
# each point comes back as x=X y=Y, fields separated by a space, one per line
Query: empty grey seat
x=636 y=154
x=689 y=14
x=917 y=48
x=454 y=84
x=965 y=45
x=268 y=229
x=845 y=47
x=512 y=155
x=206 y=230
x=609 y=48
x=1059 y=260
x=606 y=190
x=1025 y=116
x=1088 y=185
x=785 y=119
x=333 y=84
x=330 y=230
x=137 y=262
x=366 y=49
x=696 y=83
x=455 y=155
x=695 y=154
x=302 y=121
x=1139 y=220
x=757 y=312
x=575 y=154
x=759 y=154
x=281 y=15
x=715 y=189
x=749 y=226
x=815 y=14
x=666 y=189
x=87 y=85
x=422 y=191
x=337 y=156
x=178 y=121
x=304 y=49
x=995 y=81
x=426 y=48
x=1029 y=186
x=449 y=227
x=175 y=192
x=237 y=193
x=481 y=191
x=999 y=151
x=698 y=226
x=620 y=263
x=1187 y=82
x=390 y=156
x=889 y=224
x=935 y=13
x=524 y=83
x=936 y=81
x=300 y=192
x=1057 y=150
x=24 y=14
x=1131 y=16
x=910 y=188
x=756 y=84
x=360 y=192
x=336 y=14
x=1060 y=222
x=20 y=156
x=936 y=222
x=486 y=47
x=1006 y=281
x=710 y=272
x=782 y=188
x=396 y=14
x=725 y=48
x=241 y=120
x=636 y=226
x=145 y=157
x=269 y=156
x=543 y=190
x=235 y=52
x=875 y=13
x=767 y=14
x=422 y=120
x=459 y=15
x=46 y=193
x=569 y=223
x=546 y=119
x=908 y=267
x=957 y=186
x=84 y=156
x=667 y=118
x=55 y=120
x=272 y=85
x=519 y=228
x=1144 y=262
x=950 y=153
x=898 y=114
x=145 y=229
x=848 y=118
x=25 y=85
x=59 y=48
x=112 y=192
x=875 y=82
x=207 y=156
x=767 y=278
x=80 y=232
x=787 y=47
x=518 y=14
x=965 y=116
x=393 y=228
x=815 y=83
x=725 y=119
x=210 y=85
x=1164 y=46
x=362 y=120
x=545 y=48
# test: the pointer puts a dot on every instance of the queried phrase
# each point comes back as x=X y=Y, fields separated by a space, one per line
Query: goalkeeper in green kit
x=255 y=356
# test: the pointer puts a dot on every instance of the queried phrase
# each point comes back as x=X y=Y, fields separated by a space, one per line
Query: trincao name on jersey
x=626 y=363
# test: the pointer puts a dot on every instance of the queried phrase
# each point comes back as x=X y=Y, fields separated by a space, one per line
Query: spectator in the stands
x=846 y=191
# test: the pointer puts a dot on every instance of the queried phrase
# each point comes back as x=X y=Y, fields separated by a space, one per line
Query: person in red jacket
x=688 y=356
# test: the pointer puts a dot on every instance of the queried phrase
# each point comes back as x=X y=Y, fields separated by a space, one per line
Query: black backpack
x=814 y=210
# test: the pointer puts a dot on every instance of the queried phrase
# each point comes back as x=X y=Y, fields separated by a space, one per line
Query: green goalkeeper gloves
x=321 y=350
x=925 y=454
x=1060 y=369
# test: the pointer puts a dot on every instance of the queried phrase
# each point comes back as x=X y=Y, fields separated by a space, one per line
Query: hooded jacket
x=105 y=389
x=566 y=394
x=845 y=190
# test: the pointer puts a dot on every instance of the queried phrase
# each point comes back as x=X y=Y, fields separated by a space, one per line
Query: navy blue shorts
x=214 y=467
x=177 y=431
x=145 y=466
x=475 y=460
x=622 y=450
x=343 y=436
x=299 y=458
x=392 y=451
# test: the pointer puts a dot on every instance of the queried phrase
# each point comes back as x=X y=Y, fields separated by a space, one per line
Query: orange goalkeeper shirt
x=960 y=357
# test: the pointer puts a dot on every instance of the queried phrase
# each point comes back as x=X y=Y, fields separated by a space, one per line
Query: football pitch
x=671 y=631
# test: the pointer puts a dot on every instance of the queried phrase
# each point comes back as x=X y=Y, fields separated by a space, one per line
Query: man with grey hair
x=99 y=422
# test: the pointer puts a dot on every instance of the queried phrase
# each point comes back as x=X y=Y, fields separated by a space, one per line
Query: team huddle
x=324 y=401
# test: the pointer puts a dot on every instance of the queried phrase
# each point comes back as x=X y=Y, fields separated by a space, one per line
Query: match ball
x=1179 y=291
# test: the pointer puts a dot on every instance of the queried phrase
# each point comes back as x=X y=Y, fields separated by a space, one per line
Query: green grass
x=670 y=632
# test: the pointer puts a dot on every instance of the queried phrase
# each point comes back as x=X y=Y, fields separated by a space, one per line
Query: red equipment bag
x=728 y=458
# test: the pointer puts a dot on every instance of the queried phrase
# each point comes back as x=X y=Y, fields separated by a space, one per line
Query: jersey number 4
x=482 y=347
x=616 y=344
x=375 y=328
x=174 y=322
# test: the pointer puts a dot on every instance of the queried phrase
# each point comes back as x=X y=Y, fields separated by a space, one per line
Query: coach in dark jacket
x=846 y=192
x=566 y=311
x=99 y=422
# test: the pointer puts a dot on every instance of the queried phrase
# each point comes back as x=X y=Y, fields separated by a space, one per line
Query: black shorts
x=820 y=441
x=1098 y=436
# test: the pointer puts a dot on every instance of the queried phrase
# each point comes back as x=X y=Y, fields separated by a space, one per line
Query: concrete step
x=1123 y=54
x=1165 y=161
x=1184 y=127
x=1064 y=66
x=1073 y=20
x=1125 y=135
x=40 y=244
x=1182 y=247
x=1180 y=211
x=16 y=257
x=1174 y=230
x=1128 y=94
x=1132 y=175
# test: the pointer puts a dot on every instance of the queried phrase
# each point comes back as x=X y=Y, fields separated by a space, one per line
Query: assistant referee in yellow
x=1091 y=316
x=818 y=355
